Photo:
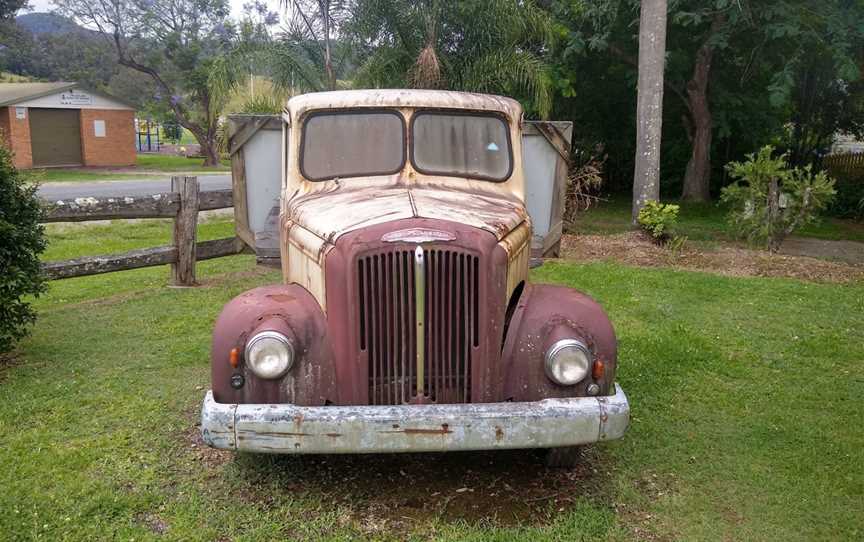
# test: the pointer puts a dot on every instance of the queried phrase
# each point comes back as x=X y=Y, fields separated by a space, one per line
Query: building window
x=99 y=128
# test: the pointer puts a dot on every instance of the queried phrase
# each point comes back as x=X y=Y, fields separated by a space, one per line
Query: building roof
x=436 y=99
x=14 y=93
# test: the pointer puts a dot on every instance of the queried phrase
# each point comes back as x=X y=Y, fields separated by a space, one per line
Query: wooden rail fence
x=183 y=204
x=848 y=165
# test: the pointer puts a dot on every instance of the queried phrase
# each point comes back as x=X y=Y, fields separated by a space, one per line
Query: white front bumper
x=291 y=429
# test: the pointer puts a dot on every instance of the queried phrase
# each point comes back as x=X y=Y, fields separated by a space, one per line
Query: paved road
x=55 y=191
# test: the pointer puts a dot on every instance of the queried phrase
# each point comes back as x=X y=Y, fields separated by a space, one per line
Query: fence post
x=185 y=231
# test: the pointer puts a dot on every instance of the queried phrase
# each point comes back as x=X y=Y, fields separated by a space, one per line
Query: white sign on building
x=75 y=97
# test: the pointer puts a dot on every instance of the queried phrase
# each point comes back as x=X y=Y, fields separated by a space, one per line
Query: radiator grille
x=387 y=325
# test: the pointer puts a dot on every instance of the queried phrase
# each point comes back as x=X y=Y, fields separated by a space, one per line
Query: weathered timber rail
x=847 y=165
x=183 y=204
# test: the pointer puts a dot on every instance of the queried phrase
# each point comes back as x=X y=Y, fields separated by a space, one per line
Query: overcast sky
x=236 y=6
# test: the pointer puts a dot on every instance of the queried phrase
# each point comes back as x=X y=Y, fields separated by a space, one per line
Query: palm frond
x=426 y=72
x=386 y=67
x=287 y=64
x=512 y=73
x=291 y=68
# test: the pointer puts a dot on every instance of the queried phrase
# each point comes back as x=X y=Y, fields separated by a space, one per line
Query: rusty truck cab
x=405 y=322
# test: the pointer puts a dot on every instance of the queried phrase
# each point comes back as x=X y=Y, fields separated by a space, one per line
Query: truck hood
x=334 y=212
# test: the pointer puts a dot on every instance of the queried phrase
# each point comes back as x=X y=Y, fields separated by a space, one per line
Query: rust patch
x=499 y=433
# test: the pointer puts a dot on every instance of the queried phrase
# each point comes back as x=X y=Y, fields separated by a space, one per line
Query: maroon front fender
x=292 y=311
x=544 y=314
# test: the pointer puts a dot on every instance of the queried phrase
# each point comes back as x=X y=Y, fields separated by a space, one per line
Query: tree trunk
x=328 y=61
x=210 y=150
x=206 y=140
x=206 y=136
x=774 y=235
x=649 y=104
x=697 y=178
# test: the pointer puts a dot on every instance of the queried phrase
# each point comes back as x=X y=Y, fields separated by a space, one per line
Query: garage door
x=55 y=136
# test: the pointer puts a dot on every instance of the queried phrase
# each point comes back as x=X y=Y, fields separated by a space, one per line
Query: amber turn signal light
x=598 y=370
x=234 y=357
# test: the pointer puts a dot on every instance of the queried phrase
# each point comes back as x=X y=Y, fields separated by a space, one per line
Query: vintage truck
x=405 y=322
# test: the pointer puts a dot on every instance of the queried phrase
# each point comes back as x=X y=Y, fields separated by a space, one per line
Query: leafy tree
x=822 y=104
x=21 y=242
x=174 y=42
x=313 y=22
x=493 y=46
x=172 y=131
x=292 y=61
x=730 y=66
x=79 y=55
x=769 y=199
x=8 y=8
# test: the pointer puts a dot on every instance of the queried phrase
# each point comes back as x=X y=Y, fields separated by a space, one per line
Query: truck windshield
x=463 y=145
x=352 y=144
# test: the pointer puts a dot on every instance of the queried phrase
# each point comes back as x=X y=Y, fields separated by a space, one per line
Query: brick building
x=62 y=124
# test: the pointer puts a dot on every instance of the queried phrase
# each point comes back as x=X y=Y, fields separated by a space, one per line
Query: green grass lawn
x=700 y=222
x=80 y=175
x=70 y=240
x=166 y=162
x=746 y=397
x=148 y=166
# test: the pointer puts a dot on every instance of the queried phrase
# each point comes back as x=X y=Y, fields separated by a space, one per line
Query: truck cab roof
x=402 y=98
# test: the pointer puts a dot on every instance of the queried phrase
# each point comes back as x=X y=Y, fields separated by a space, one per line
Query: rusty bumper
x=294 y=429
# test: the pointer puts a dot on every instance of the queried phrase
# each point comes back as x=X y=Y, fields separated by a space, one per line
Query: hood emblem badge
x=417 y=235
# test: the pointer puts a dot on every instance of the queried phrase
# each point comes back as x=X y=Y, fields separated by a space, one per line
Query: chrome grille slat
x=387 y=324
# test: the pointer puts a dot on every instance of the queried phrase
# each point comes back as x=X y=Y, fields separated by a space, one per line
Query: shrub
x=584 y=180
x=658 y=219
x=769 y=200
x=263 y=104
x=172 y=130
x=21 y=241
x=849 y=201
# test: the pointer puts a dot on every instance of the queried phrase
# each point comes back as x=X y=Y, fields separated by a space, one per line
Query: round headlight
x=269 y=354
x=567 y=362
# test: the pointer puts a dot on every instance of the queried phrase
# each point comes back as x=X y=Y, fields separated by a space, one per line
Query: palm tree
x=302 y=57
x=492 y=46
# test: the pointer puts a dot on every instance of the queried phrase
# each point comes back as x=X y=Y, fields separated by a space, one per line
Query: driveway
x=108 y=188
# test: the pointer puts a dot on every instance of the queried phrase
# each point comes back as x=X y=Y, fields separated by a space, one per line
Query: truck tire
x=565 y=457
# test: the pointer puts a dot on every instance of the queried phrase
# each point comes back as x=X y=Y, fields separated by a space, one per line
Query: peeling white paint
x=287 y=428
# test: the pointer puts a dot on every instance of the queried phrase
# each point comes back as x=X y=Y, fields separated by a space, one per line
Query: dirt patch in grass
x=7 y=362
x=153 y=523
x=228 y=278
x=844 y=251
x=633 y=248
x=391 y=492
x=207 y=457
